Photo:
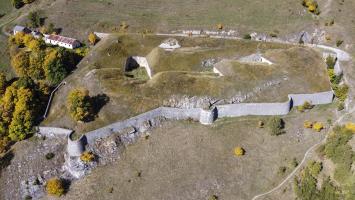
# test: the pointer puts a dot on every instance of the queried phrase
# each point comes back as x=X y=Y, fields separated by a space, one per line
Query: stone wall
x=53 y=131
x=244 y=109
x=314 y=99
x=140 y=122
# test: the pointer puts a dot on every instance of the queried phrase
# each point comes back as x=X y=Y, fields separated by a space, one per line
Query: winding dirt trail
x=308 y=152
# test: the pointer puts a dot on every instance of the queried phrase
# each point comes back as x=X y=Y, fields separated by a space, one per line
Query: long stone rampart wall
x=139 y=120
x=244 y=109
x=198 y=114
x=314 y=99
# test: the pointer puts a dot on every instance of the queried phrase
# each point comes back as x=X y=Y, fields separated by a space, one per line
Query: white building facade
x=66 y=42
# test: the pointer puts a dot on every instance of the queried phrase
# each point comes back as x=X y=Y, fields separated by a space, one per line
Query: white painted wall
x=143 y=62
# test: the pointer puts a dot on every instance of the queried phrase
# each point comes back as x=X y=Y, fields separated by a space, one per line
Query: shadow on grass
x=97 y=103
x=6 y=160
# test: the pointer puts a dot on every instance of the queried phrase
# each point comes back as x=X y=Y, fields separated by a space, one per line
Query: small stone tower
x=77 y=147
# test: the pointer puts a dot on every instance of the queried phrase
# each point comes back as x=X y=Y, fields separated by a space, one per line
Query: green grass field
x=77 y=18
x=5 y=7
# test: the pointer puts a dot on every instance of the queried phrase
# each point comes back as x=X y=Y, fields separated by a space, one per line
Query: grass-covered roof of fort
x=296 y=69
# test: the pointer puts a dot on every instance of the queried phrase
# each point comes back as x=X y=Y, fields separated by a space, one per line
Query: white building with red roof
x=66 y=42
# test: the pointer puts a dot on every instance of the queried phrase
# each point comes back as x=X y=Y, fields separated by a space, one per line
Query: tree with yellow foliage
x=27 y=38
x=22 y=121
x=20 y=63
x=79 y=104
x=18 y=38
x=36 y=70
x=92 y=38
x=55 y=187
x=8 y=104
x=34 y=45
x=54 y=68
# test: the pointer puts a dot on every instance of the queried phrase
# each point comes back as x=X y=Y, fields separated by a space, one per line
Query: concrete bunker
x=134 y=62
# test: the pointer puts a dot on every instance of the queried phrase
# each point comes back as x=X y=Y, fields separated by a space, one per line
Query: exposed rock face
x=190 y=102
x=170 y=44
x=108 y=149
x=77 y=168
x=208 y=63
x=29 y=163
x=33 y=187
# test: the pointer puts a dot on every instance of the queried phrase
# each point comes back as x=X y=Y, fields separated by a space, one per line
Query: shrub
x=276 y=125
x=261 y=124
x=318 y=126
x=305 y=185
x=55 y=187
x=340 y=106
x=220 y=26
x=92 y=38
x=300 y=108
x=17 y=3
x=293 y=163
x=49 y=156
x=282 y=170
x=4 y=144
x=339 y=42
x=34 y=19
x=307 y=124
x=87 y=157
x=274 y=35
x=247 y=37
x=28 y=197
x=315 y=168
x=239 y=151
x=350 y=126
x=213 y=197
x=338 y=150
x=305 y=106
x=341 y=92
x=312 y=6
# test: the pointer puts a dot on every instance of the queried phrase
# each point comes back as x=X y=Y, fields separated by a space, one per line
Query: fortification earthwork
x=206 y=116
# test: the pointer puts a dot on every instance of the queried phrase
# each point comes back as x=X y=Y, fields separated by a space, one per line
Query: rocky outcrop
x=177 y=101
x=170 y=44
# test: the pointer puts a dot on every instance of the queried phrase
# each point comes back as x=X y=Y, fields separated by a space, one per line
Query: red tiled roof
x=63 y=39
